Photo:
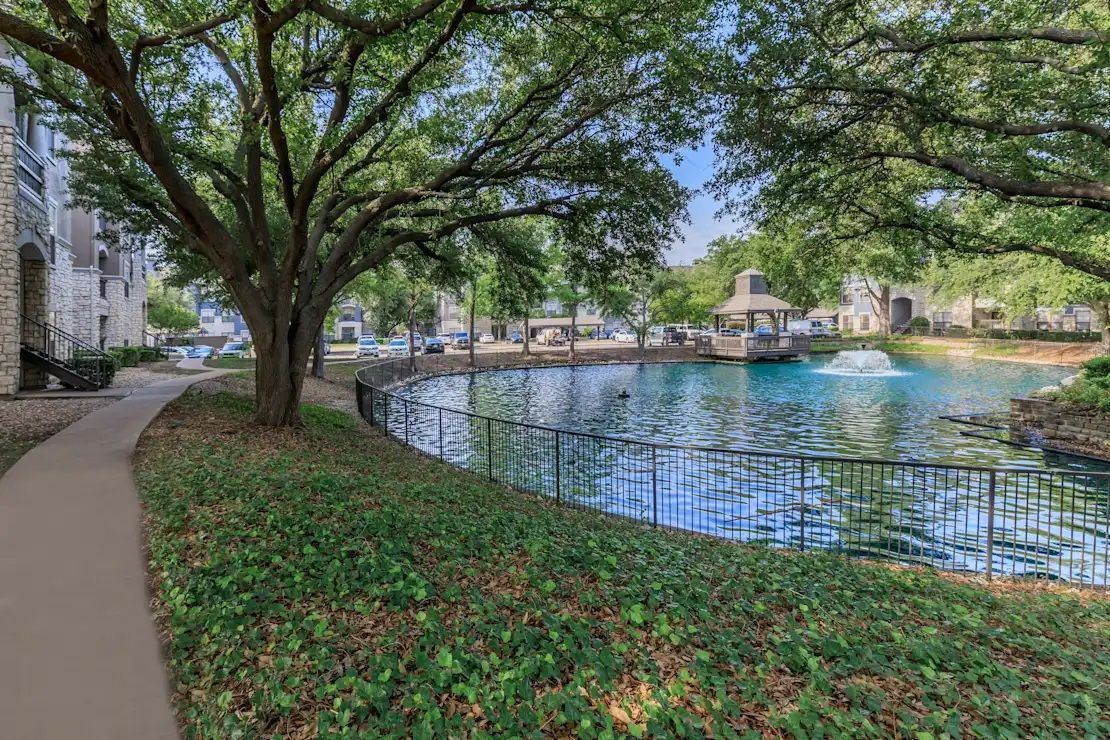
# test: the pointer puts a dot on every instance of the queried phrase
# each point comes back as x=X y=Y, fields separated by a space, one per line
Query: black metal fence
x=1038 y=523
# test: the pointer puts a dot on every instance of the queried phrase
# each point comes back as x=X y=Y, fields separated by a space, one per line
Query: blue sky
x=695 y=171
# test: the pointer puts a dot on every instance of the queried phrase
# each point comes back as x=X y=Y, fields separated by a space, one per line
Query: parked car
x=367 y=347
x=417 y=341
x=486 y=338
x=202 y=352
x=234 y=349
x=764 y=330
x=461 y=340
x=178 y=353
x=398 y=347
x=433 y=346
x=624 y=336
x=551 y=337
x=516 y=338
x=661 y=336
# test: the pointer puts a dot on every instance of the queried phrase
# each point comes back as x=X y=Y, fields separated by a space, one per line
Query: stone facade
x=52 y=260
x=9 y=268
x=1060 y=423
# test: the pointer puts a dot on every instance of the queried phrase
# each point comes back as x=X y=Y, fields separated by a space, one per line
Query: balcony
x=31 y=172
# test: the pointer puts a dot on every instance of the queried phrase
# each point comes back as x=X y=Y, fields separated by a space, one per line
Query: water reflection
x=1044 y=523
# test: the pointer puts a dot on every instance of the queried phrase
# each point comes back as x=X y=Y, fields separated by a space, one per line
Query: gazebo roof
x=751 y=296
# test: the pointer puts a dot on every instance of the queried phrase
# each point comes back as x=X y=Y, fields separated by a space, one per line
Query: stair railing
x=85 y=360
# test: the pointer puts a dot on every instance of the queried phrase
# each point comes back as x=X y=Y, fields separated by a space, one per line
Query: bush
x=96 y=366
x=919 y=322
x=151 y=354
x=1097 y=367
x=1036 y=334
x=125 y=356
x=1090 y=393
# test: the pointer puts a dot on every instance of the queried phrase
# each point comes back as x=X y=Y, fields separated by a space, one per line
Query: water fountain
x=870 y=362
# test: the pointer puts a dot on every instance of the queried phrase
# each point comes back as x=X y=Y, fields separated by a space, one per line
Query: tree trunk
x=473 y=306
x=1102 y=310
x=279 y=378
x=880 y=304
x=526 y=351
x=971 y=323
x=412 y=336
x=573 y=329
x=318 y=355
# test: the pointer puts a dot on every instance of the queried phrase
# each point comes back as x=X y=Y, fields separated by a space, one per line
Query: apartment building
x=66 y=292
x=857 y=311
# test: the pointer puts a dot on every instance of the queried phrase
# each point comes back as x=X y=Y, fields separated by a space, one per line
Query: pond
x=793 y=408
x=769 y=453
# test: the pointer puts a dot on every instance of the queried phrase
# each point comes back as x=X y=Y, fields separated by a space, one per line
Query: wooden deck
x=774 y=347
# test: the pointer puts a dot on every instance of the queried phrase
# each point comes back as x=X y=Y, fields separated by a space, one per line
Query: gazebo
x=751 y=300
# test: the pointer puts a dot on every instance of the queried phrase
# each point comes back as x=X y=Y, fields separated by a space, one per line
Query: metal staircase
x=75 y=363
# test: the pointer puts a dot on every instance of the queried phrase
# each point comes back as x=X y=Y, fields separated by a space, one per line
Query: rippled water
x=911 y=509
x=785 y=407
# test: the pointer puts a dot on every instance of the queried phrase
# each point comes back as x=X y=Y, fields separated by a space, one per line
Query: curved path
x=79 y=652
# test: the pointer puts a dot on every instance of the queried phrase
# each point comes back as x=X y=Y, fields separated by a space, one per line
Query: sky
x=694 y=171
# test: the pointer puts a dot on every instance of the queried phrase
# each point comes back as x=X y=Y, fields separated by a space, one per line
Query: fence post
x=385 y=421
x=558 y=482
x=440 y=434
x=489 y=447
x=802 y=505
x=371 y=405
x=990 y=527
x=406 y=421
x=654 y=487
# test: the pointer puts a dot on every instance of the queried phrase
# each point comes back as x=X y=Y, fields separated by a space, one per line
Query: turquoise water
x=775 y=407
x=764 y=453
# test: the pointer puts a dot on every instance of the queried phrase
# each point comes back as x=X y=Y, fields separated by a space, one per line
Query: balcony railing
x=774 y=345
x=31 y=172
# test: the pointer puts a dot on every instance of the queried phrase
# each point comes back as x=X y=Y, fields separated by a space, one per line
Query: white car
x=398 y=348
x=178 y=353
x=486 y=338
x=620 y=335
x=417 y=342
x=367 y=347
x=234 y=349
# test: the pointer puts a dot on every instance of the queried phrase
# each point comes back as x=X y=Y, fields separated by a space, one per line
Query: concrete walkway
x=79 y=652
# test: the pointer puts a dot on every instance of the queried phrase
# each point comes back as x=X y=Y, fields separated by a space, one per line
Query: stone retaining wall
x=1061 y=423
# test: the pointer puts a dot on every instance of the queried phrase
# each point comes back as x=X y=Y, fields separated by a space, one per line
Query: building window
x=845 y=297
x=207 y=319
x=865 y=322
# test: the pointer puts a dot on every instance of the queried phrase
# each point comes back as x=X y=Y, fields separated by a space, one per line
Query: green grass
x=329 y=580
x=904 y=346
x=997 y=350
x=230 y=363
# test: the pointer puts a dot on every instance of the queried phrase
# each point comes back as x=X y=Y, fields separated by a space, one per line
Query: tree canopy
x=291 y=147
x=979 y=127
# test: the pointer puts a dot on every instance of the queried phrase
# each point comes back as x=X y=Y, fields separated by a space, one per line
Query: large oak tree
x=982 y=127
x=290 y=146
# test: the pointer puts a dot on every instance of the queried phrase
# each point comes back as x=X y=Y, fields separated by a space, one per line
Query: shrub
x=919 y=322
x=1036 y=334
x=96 y=366
x=151 y=354
x=1092 y=394
x=1097 y=367
x=125 y=356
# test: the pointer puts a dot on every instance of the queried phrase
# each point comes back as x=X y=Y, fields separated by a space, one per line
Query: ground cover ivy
x=329 y=581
